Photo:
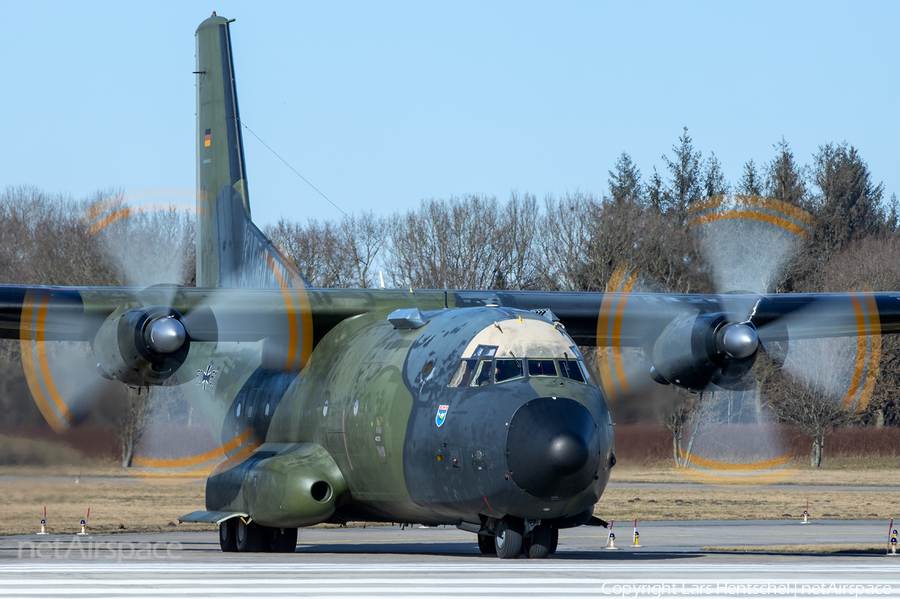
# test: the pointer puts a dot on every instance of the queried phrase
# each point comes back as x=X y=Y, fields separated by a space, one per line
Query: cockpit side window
x=588 y=376
x=571 y=370
x=507 y=370
x=463 y=373
x=482 y=374
x=541 y=368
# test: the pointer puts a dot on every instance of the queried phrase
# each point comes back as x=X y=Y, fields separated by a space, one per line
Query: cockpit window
x=507 y=370
x=588 y=376
x=482 y=374
x=463 y=374
x=541 y=368
x=571 y=370
x=485 y=351
x=476 y=372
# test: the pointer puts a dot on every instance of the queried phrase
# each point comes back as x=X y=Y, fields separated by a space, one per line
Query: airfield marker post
x=44 y=523
x=892 y=539
x=84 y=523
x=611 y=538
x=637 y=535
x=806 y=513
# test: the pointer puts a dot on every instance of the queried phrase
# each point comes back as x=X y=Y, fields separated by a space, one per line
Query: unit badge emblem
x=441 y=415
x=205 y=379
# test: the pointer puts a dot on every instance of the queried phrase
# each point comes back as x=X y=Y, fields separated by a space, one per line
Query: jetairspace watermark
x=793 y=589
x=90 y=549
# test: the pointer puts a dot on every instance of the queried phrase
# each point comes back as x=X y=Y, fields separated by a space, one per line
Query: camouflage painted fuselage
x=409 y=447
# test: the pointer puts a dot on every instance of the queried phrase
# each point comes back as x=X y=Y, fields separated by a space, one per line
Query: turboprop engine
x=142 y=346
x=705 y=349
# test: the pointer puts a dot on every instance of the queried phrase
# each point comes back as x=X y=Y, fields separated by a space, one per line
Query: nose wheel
x=539 y=543
x=508 y=540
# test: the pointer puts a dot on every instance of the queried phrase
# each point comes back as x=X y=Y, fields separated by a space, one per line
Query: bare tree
x=132 y=423
x=518 y=260
x=815 y=416
x=449 y=244
x=566 y=235
x=359 y=242
x=690 y=413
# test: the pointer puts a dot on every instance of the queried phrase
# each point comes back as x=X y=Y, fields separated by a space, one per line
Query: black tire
x=554 y=539
x=486 y=545
x=508 y=541
x=248 y=537
x=537 y=544
x=227 y=540
x=280 y=540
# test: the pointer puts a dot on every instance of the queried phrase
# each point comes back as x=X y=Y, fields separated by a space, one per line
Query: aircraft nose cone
x=553 y=448
x=567 y=452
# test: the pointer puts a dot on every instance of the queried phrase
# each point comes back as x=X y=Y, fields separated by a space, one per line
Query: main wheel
x=537 y=544
x=554 y=539
x=486 y=545
x=280 y=540
x=248 y=537
x=227 y=540
x=508 y=541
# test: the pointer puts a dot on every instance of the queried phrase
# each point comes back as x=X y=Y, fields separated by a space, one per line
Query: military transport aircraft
x=466 y=408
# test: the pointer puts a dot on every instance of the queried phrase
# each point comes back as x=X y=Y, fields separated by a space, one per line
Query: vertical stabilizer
x=231 y=250
x=220 y=148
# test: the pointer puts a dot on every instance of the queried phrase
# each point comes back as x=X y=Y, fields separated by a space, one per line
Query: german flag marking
x=207 y=139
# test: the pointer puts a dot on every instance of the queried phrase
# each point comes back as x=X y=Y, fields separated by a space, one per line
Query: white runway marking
x=440 y=580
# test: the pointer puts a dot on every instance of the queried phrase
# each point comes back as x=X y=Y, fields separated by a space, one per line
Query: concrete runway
x=445 y=562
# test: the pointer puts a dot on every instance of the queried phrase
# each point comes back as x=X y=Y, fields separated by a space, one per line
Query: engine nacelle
x=702 y=349
x=279 y=485
x=143 y=346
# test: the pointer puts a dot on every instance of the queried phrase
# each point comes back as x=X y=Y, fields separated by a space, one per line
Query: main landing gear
x=511 y=539
x=249 y=537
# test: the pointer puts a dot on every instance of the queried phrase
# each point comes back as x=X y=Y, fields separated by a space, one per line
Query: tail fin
x=231 y=250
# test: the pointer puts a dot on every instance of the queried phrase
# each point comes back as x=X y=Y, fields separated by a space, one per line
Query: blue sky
x=382 y=104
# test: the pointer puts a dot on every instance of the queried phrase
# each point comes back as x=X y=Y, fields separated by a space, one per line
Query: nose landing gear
x=514 y=536
x=508 y=540
x=539 y=542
